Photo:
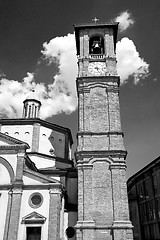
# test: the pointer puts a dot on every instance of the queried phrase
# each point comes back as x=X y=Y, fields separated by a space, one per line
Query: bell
x=96 y=45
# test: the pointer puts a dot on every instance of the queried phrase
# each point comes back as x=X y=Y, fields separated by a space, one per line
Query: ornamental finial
x=95 y=20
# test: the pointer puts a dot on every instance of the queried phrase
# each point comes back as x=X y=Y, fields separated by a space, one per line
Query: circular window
x=70 y=232
x=16 y=133
x=52 y=151
x=35 y=200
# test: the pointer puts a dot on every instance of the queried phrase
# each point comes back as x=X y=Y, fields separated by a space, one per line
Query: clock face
x=97 y=68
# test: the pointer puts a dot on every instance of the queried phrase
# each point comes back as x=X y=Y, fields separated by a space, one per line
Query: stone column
x=54 y=213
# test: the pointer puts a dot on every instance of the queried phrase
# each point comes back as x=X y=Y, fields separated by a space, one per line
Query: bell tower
x=102 y=192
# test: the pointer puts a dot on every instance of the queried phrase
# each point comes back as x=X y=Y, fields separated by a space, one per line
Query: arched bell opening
x=96 y=45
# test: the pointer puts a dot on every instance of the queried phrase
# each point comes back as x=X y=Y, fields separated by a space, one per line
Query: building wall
x=144 y=197
x=50 y=139
x=21 y=132
x=27 y=209
x=16 y=186
x=40 y=139
x=41 y=161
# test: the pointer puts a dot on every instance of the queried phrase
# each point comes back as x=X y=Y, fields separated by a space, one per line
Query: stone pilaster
x=35 y=137
x=85 y=224
x=54 y=214
x=14 y=213
x=80 y=192
x=6 y=229
x=20 y=165
x=122 y=227
x=87 y=171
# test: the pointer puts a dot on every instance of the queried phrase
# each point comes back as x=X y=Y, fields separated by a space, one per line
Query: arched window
x=96 y=45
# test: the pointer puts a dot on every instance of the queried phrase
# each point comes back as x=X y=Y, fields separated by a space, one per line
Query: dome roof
x=31 y=106
x=32 y=97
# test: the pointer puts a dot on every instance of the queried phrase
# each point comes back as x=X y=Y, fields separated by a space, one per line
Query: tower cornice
x=108 y=153
x=110 y=83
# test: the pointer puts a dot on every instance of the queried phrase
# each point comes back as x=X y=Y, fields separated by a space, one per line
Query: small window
x=52 y=151
x=35 y=200
x=16 y=133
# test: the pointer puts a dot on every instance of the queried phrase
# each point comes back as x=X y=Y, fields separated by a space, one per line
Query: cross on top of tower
x=95 y=20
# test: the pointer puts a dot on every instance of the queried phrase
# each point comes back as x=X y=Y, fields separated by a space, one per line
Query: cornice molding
x=12 y=141
x=108 y=153
x=100 y=133
x=23 y=121
x=39 y=177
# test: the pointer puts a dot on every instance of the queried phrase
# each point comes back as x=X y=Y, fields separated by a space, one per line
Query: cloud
x=60 y=95
x=62 y=92
x=129 y=62
x=125 y=20
x=12 y=95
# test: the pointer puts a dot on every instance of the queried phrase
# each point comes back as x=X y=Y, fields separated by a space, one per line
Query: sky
x=37 y=51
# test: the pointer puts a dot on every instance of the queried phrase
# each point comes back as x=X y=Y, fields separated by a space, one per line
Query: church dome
x=31 y=106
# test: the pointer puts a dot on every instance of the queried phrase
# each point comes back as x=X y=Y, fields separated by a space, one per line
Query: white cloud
x=61 y=50
x=12 y=95
x=60 y=96
x=125 y=20
x=129 y=62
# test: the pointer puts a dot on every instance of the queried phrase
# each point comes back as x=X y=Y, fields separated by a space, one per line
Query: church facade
x=38 y=183
x=44 y=194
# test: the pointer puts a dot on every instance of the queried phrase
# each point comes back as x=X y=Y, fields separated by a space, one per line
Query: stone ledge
x=122 y=225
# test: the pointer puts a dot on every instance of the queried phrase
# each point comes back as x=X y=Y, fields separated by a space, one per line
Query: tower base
x=119 y=230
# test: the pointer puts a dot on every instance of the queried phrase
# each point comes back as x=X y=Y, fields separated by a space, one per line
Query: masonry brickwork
x=35 y=139
x=102 y=193
x=54 y=214
x=15 y=206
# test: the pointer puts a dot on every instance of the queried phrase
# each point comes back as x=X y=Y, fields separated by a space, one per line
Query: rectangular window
x=140 y=191
x=158 y=206
x=151 y=210
x=148 y=188
x=156 y=180
x=143 y=212
x=33 y=233
x=145 y=232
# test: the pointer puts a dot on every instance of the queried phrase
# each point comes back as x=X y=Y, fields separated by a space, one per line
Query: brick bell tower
x=102 y=192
